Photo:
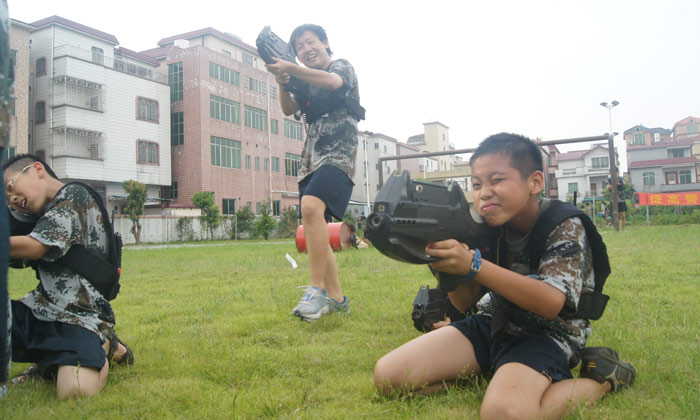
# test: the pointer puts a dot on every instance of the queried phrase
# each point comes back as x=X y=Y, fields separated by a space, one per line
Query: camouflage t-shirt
x=72 y=217
x=570 y=272
x=332 y=139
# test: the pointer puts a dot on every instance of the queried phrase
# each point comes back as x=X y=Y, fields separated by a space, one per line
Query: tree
x=288 y=223
x=245 y=217
x=136 y=198
x=210 y=211
x=265 y=223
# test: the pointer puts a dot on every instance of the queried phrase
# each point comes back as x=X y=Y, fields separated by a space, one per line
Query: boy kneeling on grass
x=525 y=333
x=64 y=326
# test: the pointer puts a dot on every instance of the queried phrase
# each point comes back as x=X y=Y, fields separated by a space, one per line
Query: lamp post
x=613 y=166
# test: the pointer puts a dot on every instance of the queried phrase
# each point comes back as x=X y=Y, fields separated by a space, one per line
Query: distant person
x=65 y=326
x=621 y=202
x=6 y=105
x=527 y=335
x=331 y=109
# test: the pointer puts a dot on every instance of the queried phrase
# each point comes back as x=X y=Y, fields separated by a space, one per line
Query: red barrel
x=338 y=236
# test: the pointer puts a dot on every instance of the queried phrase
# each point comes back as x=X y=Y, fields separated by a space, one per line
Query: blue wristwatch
x=476 y=264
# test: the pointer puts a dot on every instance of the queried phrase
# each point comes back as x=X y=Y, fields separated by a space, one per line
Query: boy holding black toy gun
x=533 y=322
x=330 y=108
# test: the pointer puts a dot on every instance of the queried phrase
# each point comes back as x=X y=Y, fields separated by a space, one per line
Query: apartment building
x=19 y=118
x=663 y=160
x=665 y=167
x=97 y=110
x=228 y=133
x=583 y=171
x=418 y=167
x=371 y=146
x=436 y=138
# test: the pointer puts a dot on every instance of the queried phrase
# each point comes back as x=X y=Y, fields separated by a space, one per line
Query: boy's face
x=25 y=190
x=501 y=194
x=312 y=52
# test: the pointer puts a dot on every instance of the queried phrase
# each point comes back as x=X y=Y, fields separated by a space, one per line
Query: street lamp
x=613 y=166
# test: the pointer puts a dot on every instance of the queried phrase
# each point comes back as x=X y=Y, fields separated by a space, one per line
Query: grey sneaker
x=336 y=306
x=603 y=364
x=312 y=305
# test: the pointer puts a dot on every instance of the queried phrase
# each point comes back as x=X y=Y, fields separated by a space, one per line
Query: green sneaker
x=335 y=306
x=312 y=305
x=603 y=364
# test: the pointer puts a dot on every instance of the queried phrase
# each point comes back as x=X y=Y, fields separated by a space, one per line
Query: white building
x=370 y=147
x=583 y=171
x=98 y=113
x=665 y=167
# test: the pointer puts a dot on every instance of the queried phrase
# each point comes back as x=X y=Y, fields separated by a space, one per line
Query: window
x=173 y=190
x=266 y=165
x=175 y=81
x=648 y=178
x=293 y=130
x=147 y=109
x=224 y=109
x=147 y=152
x=275 y=164
x=276 y=208
x=684 y=177
x=249 y=205
x=247 y=161
x=247 y=58
x=273 y=126
x=692 y=129
x=228 y=206
x=600 y=162
x=98 y=55
x=291 y=164
x=225 y=152
x=676 y=153
x=257 y=207
x=273 y=92
x=573 y=187
x=224 y=74
x=226 y=53
x=119 y=65
x=41 y=66
x=40 y=115
x=257 y=163
x=9 y=153
x=255 y=85
x=13 y=58
x=177 y=128
x=41 y=154
x=638 y=139
x=255 y=118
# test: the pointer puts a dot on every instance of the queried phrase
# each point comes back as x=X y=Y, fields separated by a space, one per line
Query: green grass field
x=213 y=337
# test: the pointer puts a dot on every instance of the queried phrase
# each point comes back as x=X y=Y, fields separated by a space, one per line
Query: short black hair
x=18 y=162
x=523 y=153
x=318 y=30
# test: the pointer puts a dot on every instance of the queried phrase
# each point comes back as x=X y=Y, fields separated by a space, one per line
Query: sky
x=538 y=68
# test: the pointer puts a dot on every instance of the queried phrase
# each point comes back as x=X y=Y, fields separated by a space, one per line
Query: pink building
x=228 y=133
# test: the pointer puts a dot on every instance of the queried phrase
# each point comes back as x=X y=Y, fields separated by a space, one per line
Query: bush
x=184 y=229
x=288 y=223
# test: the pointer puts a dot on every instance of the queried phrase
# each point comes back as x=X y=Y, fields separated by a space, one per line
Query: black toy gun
x=431 y=306
x=270 y=45
x=408 y=215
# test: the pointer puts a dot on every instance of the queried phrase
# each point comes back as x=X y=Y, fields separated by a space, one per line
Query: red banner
x=691 y=198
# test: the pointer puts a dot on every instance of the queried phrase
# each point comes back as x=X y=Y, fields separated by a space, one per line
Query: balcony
x=77 y=142
x=122 y=65
x=668 y=188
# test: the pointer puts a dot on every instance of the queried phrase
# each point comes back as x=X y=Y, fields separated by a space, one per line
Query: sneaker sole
x=312 y=317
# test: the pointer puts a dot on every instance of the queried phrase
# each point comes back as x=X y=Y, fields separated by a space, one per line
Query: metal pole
x=369 y=208
x=613 y=182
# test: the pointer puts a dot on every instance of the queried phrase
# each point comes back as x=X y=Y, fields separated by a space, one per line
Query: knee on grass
x=75 y=381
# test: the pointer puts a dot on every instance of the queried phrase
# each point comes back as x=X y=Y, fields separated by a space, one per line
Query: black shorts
x=53 y=344
x=332 y=186
x=536 y=351
x=622 y=206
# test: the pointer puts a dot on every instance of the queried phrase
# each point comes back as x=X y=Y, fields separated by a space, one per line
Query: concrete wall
x=165 y=229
